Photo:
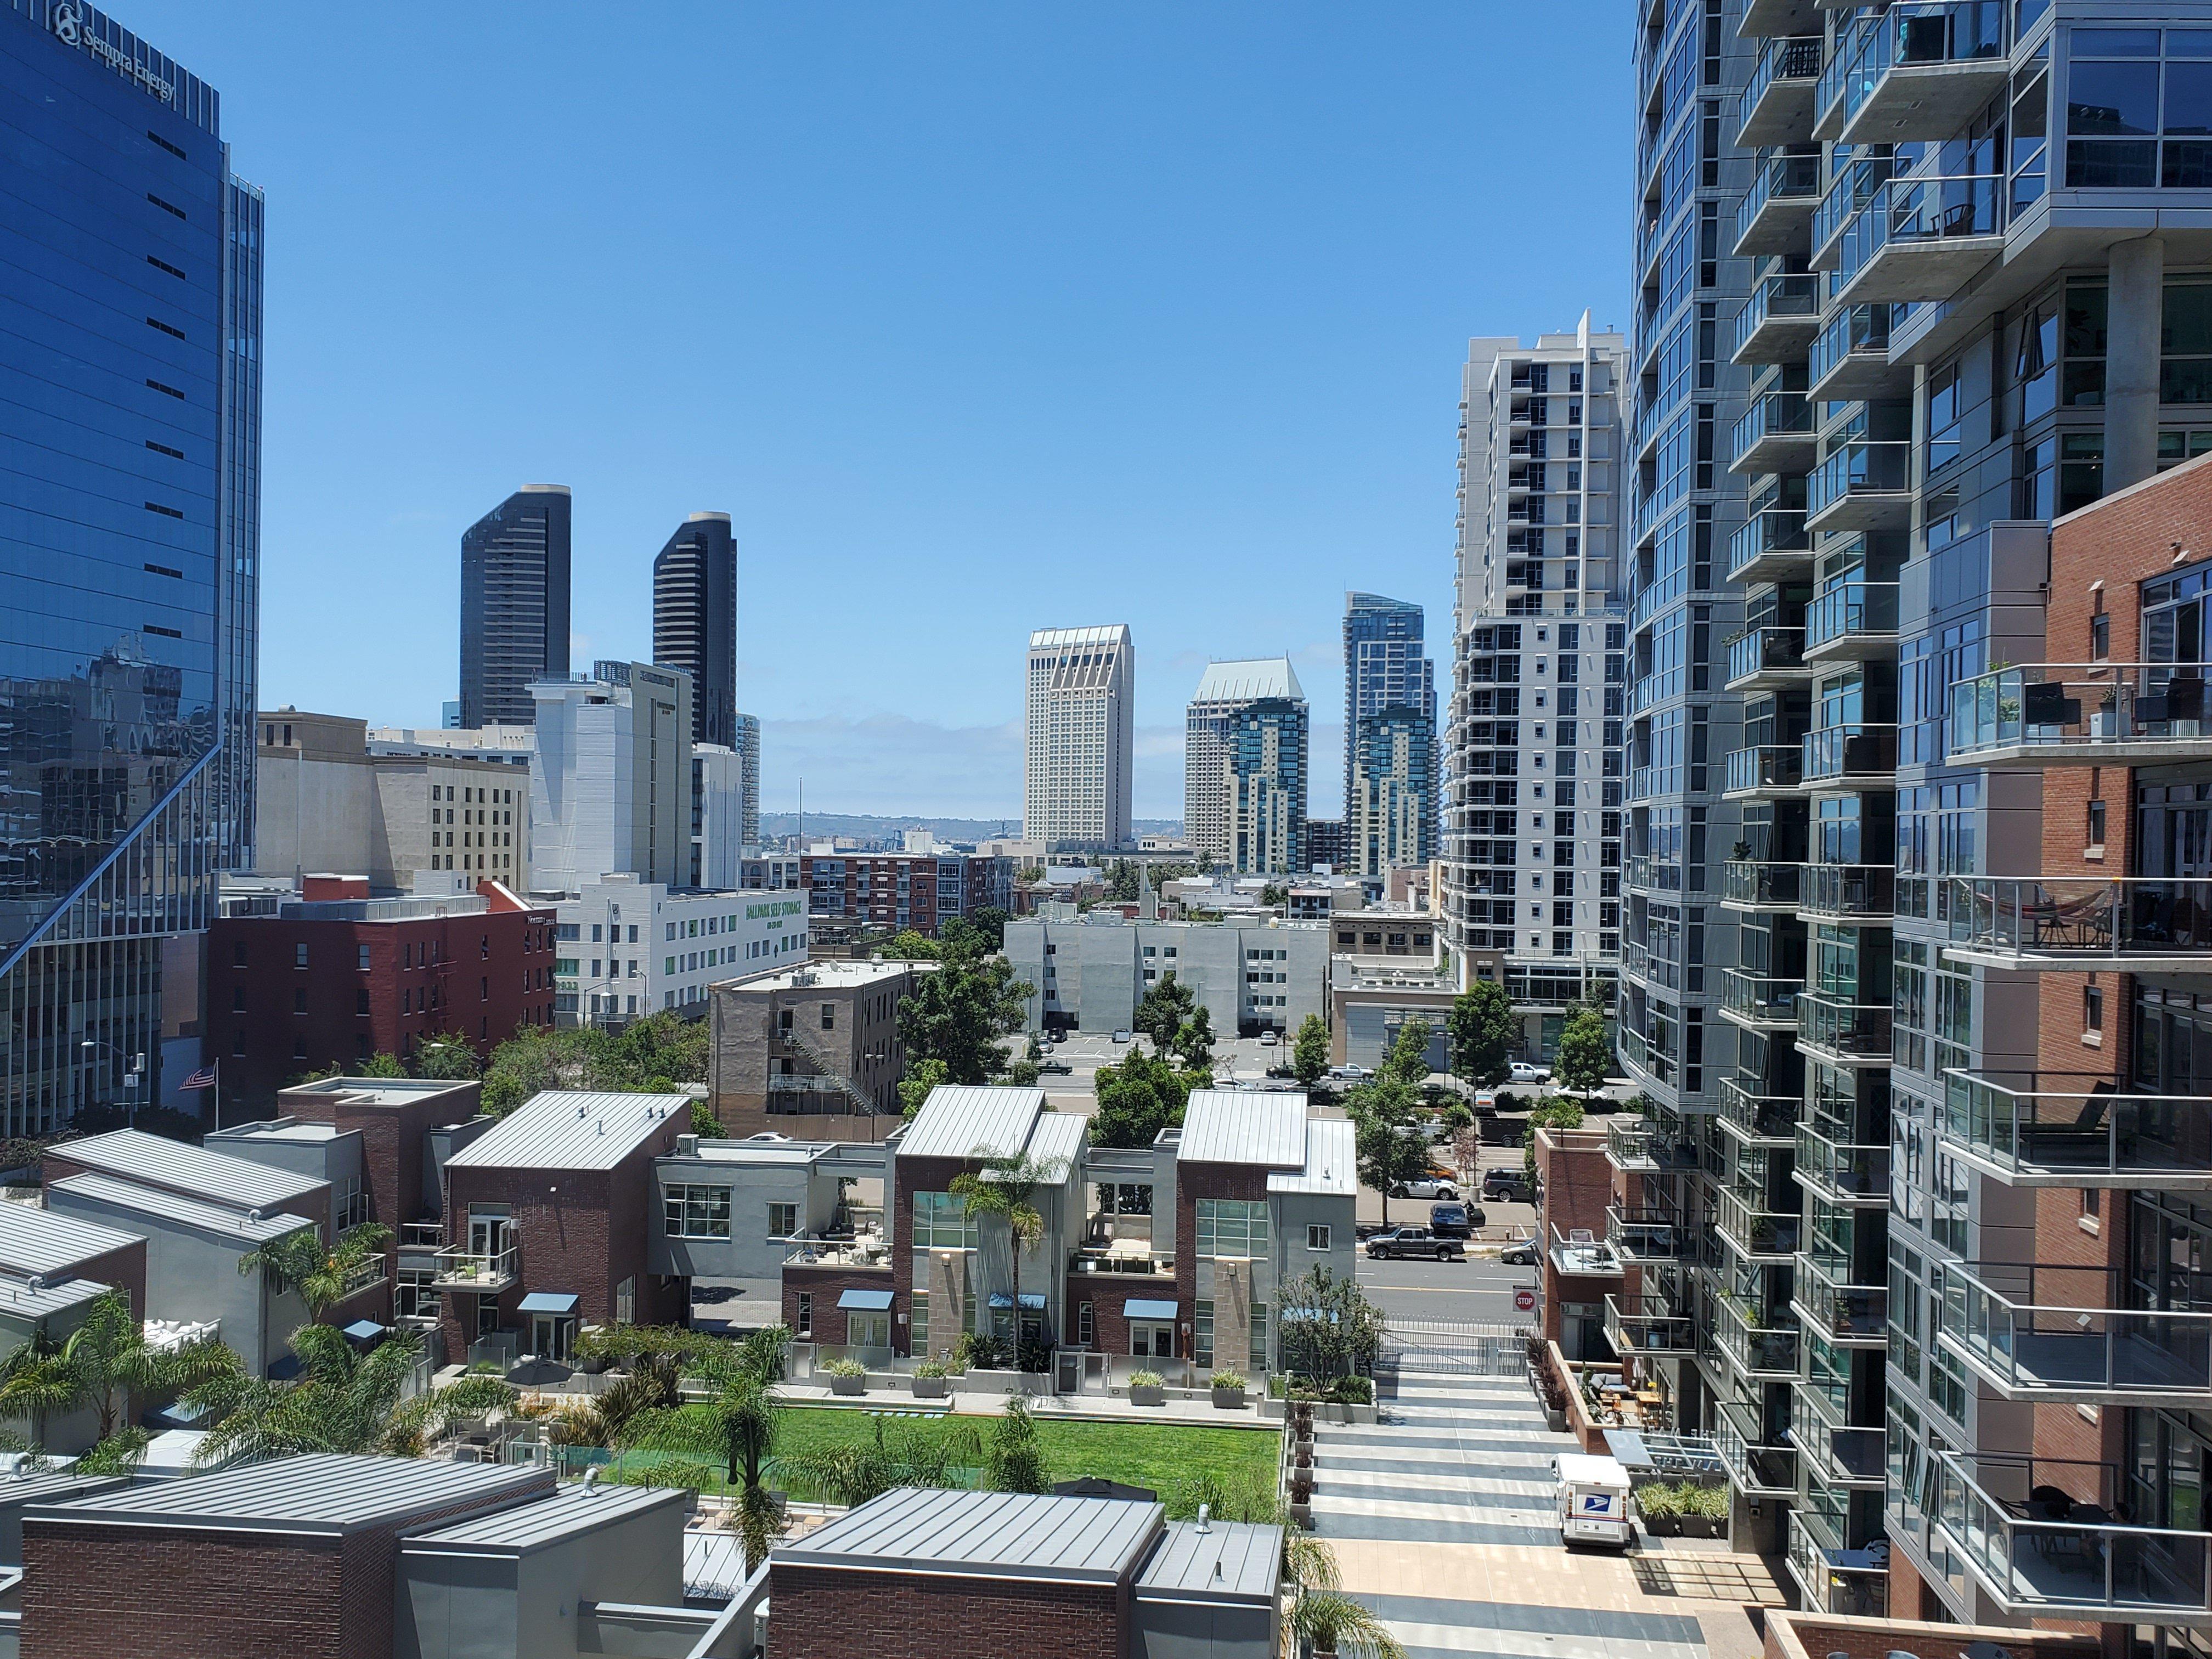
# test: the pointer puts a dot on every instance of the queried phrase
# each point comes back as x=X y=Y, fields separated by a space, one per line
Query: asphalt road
x=1477 y=1288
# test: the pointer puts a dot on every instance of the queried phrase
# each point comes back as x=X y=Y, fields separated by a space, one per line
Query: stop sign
x=1524 y=1300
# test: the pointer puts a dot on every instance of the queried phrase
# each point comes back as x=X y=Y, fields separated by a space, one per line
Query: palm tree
x=1006 y=1186
x=853 y=1474
x=322 y=1276
x=1336 y=1624
x=102 y=1365
x=734 y=1433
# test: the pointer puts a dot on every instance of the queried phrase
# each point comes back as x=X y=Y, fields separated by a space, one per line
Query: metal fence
x=1456 y=1348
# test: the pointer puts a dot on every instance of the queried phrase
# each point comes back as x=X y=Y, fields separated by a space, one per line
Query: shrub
x=1352 y=1391
x=1657 y=1502
x=1146 y=1379
x=933 y=1368
x=846 y=1368
x=1706 y=1502
x=1229 y=1380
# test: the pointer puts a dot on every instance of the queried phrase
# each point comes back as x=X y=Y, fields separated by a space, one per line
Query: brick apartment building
x=919 y=890
x=809 y=1039
x=337 y=976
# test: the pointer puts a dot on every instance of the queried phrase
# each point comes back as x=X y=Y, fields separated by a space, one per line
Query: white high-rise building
x=1244 y=766
x=718 y=816
x=610 y=792
x=1080 y=733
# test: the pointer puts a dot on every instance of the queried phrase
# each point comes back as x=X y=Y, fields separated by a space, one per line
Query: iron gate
x=1460 y=1348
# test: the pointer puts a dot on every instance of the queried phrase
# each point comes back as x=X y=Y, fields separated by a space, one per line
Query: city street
x=1478 y=1288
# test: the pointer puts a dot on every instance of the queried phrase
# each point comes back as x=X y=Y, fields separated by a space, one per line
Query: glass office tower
x=514 y=605
x=1387 y=673
x=130 y=324
x=695 y=622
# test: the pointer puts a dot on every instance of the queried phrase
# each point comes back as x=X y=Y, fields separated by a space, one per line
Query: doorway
x=1149 y=1339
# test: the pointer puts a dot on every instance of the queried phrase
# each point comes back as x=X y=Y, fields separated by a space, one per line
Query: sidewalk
x=1095 y=1407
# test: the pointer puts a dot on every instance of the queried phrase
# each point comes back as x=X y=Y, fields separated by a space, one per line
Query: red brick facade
x=825 y=1321
x=1577 y=1180
x=901 y=889
x=824 y=1613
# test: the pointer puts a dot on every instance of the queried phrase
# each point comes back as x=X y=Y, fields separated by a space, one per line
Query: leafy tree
x=1275 y=893
x=1585 y=1055
x=1328 y=1621
x=1137 y=1099
x=1407 y=1062
x=1328 y=1327
x=922 y=1075
x=1389 y=1152
x=704 y=1123
x=1309 y=1051
x=380 y=1066
x=1467 y=1152
x=1558 y=1113
x=299 y=1259
x=1163 y=1013
x=909 y=945
x=657 y=1055
x=1458 y=1116
x=1122 y=882
x=990 y=921
x=1483 y=1033
x=1012 y=1459
x=735 y=1431
x=855 y=1473
x=961 y=1013
x=447 y=1056
x=1194 y=1043
x=1023 y=1074
x=1004 y=1188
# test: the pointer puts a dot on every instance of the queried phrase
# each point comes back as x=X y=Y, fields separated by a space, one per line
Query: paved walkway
x=1443 y=1523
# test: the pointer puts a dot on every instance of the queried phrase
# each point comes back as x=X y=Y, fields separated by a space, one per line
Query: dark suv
x=1455 y=1220
x=1401 y=1242
x=1507 y=1185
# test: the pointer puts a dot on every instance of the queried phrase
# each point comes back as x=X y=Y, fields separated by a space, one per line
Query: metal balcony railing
x=1761 y=652
x=1760 y=1345
x=1867 y=472
x=1628 y=1145
x=1905 y=82
x=1769 y=539
x=1760 y=1460
x=1840 y=1173
x=1748 y=884
x=1849 y=892
x=2054 y=1333
x=1779 y=94
x=475 y=1270
x=1851 y=1583
x=1776 y=425
x=1921 y=238
x=2083 y=714
x=1849 y=1031
x=1765 y=769
x=1759 y=1000
x=1579 y=1252
x=1849 y=356
x=1646 y=1324
x=1850 y=1457
x=1856 y=184
x=1643 y=1234
x=2071 y=922
x=1758 y=1120
x=1849 y=1314
x=1761 y=1235
x=2081 y=1137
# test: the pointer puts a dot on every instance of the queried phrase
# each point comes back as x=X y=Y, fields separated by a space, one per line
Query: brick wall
x=1577 y=1185
x=913 y=1174
x=826 y=1284
x=822 y=1612
x=1105 y=1293
x=1193 y=1183
x=124 y=1268
x=1817 y=1635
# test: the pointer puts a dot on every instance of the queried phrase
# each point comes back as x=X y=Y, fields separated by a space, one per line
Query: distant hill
x=869 y=826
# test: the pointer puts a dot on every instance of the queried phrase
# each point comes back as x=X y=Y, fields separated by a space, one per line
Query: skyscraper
x=611 y=789
x=129 y=544
x=746 y=740
x=695 y=621
x=1245 y=740
x=1079 y=737
x=514 y=605
x=1385 y=666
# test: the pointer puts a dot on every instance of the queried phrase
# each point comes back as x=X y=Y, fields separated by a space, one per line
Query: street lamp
x=131 y=1079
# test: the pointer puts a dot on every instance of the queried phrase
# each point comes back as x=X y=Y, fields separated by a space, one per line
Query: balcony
x=1836 y=1580
x=1838 y=1173
x=1926 y=70
x=1759 y=1347
x=1921 y=238
x=1771 y=545
x=1121 y=1256
x=1760 y=1460
x=487 y=1272
x=1774 y=435
x=1776 y=215
x=1757 y=1235
x=1645 y=1325
x=1767 y=659
x=1854 y=621
x=1581 y=1254
x=2052 y=1334
x=1865 y=484
x=1641 y=1234
x=1765 y=770
x=1849 y=358
x=2100 y=1138
x=1848 y=1316
x=1840 y=754
x=1628 y=1145
x=1855 y=185
x=1749 y=885
x=1841 y=1456
x=1764 y=17
x=1843 y=1033
x=1777 y=100
x=810 y=1250
x=2082 y=714
x=1760 y=1002
x=1849 y=893
x=2043 y=1537
x=2077 y=924
x=1750 y=1120
x=1779 y=320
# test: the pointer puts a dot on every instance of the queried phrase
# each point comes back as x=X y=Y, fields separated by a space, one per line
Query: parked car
x=1427 y=1186
x=1501 y=1185
x=1054 y=1068
x=1455 y=1220
x=1269 y=1038
x=1120 y=1036
x=1350 y=1074
x=768 y=1135
x=1525 y=1072
x=1523 y=1254
x=1401 y=1242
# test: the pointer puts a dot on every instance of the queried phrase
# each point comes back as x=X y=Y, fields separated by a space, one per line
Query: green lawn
x=1166 y=1456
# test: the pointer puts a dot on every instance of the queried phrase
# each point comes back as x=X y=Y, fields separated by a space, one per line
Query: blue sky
x=977 y=318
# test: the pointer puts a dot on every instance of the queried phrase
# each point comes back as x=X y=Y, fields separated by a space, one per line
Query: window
x=829 y=1016
x=699 y=1211
x=2100 y=635
x=625 y=1302
x=1317 y=1236
x=360 y=1004
x=2096 y=823
x=802 y=1316
x=1233 y=1227
x=941 y=1223
x=2093 y=1010
x=300 y=954
x=782 y=1220
x=1944 y=395
x=1085 y=1332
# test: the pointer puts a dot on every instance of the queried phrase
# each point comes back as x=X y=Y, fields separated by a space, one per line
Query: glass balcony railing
x=1850 y=357
x=1848 y=1031
x=1905 y=82
x=484 y=1271
x=1579 y=1252
x=1848 y=1583
x=1646 y=1324
x=1781 y=308
x=1850 y=751
x=2047 y=1537
x=2044 y=1332
x=1747 y=884
x=1849 y=892
x=1856 y=184
x=1758 y=1120
x=1841 y=1173
x=1760 y=999
x=1770 y=543
x=1857 y=474
x=1628 y=1145
x=1758 y=1455
x=1852 y=613
x=1766 y=768
x=1775 y=425
x=1784 y=191
x=1779 y=94
x=1905 y=244
x=2083 y=714
x=2045 y=1137
x=1643 y=1234
x=1842 y=1313
x=1852 y=1456
x=1761 y=1345
x=1761 y=1234
x=1761 y=653
x=2068 y=921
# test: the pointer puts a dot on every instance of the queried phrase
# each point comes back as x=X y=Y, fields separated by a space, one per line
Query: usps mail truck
x=1593 y=1501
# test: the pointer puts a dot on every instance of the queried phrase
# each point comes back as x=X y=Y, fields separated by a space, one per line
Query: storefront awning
x=364 y=1330
x=866 y=1301
x=546 y=1302
x=1137 y=1308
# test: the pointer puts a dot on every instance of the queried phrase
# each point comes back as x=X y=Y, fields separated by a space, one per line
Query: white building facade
x=610 y=792
x=1091 y=971
x=629 y=948
x=1079 y=737
x=718 y=816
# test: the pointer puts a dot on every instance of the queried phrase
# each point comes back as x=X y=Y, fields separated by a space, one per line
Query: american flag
x=202 y=1079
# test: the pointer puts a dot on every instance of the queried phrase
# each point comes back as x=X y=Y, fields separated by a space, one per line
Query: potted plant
x=1659 y=1509
x=847 y=1376
x=1228 y=1391
x=929 y=1381
x=1705 y=1511
x=1147 y=1388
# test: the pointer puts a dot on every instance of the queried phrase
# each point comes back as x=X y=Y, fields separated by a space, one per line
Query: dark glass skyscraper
x=1387 y=670
x=130 y=434
x=514 y=605
x=695 y=621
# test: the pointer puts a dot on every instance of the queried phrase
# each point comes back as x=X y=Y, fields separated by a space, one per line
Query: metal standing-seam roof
x=1248 y=681
x=318 y=1494
x=571 y=1511
x=243 y=1225
x=958 y=1118
x=1332 y=1161
x=571 y=1129
x=1223 y=1126
x=38 y=1240
x=161 y=1162
x=1058 y=1138
x=995 y=1534
x=1225 y=1561
x=24 y=1298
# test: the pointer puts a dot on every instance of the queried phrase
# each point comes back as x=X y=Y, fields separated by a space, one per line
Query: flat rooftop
x=571 y=1129
x=994 y=1534
x=280 y=1129
x=377 y=1090
x=836 y=973
x=326 y=1495
x=158 y=1161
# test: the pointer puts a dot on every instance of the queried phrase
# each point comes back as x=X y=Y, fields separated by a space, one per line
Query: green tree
x=1275 y=893
x=1194 y=1043
x=1389 y=1150
x=1122 y=882
x=1005 y=1189
x=735 y=1431
x=990 y=921
x=1162 y=1014
x=447 y=1056
x=1328 y=1326
x=909 y=945
x=321 y=1274
x=1012 y=1459
x=704 y=1123
x=1023 y=1073
x=1483 y=1034
x=920 y=1077
x=1585 y=1056
x=1332 y=1623
x=103 y=1364
x=1558 y=1112
x=1309 y=1051
x=1407 y=1062
x=380 y=1066
x=1137 y=1099
x=960 y=1014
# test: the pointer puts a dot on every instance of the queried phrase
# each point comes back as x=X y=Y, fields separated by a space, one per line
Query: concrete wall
x=751 y=1250
x=1098 y=970
x=337 y=1160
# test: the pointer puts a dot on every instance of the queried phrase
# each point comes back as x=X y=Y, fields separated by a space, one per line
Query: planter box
x=1301 y=1514
x=1140 y=1395
x=991 y=1382
x=847 y=1385
x=1699 y=1526
x=930 y=1387
x=1555 y=1421
x=1663 y=1526
x=1229 y=1399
